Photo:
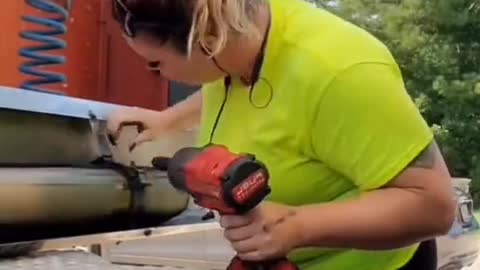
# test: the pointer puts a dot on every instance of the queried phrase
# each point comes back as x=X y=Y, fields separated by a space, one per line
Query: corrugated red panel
x=99 y=65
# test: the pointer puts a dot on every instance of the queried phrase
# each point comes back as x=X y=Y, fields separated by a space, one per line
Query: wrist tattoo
x=427 y=158
x=282 y=219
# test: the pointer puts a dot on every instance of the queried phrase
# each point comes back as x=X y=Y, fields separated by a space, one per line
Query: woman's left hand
x=267 y=232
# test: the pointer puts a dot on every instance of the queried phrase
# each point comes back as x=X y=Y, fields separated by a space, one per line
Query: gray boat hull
x=69 y=195
x=48 y=185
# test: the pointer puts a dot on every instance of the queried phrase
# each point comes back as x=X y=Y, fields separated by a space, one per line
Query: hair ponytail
x=215 y=20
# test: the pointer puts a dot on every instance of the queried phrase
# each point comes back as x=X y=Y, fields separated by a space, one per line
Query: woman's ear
x=204 y=51
x=207 y=44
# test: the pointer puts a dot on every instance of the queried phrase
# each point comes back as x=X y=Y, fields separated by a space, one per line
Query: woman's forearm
x=383 y=219
x=187 y=113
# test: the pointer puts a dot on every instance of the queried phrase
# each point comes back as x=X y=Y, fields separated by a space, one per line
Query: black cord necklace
x=255 y=78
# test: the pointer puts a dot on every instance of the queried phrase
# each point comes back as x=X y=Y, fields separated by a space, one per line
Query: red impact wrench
x=225 y=182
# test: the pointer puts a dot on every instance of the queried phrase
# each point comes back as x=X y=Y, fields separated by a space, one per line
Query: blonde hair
x=214 y=21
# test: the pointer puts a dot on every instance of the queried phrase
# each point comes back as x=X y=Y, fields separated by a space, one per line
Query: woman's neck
x=241 y=54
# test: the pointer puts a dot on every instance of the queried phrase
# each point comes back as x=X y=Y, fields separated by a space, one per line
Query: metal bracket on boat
x=136 y=179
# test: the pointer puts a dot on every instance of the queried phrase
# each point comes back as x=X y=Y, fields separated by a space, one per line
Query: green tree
x=437 y=44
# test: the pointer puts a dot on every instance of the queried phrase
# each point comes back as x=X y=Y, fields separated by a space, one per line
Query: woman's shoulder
x=326 y=39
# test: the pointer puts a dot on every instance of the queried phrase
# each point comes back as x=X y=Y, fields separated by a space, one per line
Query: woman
x=357 y=179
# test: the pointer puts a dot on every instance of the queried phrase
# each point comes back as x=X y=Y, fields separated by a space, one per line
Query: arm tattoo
x=427 y=158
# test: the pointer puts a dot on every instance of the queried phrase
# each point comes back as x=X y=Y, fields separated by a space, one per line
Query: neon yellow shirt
x=339 y=123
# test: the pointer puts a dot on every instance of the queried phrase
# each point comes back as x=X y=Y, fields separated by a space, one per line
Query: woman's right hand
x=153 y=123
